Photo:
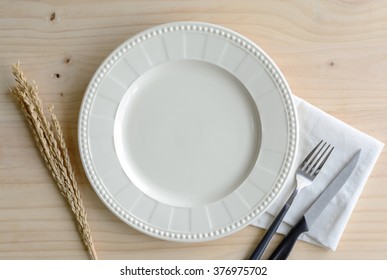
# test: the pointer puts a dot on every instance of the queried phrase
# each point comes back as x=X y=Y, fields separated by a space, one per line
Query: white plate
x=188 y=131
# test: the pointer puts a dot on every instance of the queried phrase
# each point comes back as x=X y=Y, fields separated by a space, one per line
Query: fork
x=305 y=174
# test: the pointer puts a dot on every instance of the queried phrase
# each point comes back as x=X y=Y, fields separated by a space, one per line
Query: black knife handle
x=261 y=247
x=285 y=247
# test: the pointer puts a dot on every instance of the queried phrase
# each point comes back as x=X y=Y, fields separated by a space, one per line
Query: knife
x=311 y=215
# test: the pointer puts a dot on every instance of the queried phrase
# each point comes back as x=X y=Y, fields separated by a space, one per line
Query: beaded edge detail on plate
x=245 y=44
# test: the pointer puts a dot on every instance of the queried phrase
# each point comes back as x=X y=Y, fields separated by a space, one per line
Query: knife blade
x=311 y=215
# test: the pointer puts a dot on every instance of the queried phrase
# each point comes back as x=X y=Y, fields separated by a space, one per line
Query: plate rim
x=270 y=67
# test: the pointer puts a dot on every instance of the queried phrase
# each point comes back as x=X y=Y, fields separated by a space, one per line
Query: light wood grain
x=333 y=54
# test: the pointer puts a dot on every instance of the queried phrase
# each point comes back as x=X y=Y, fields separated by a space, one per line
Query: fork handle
x=261 y=247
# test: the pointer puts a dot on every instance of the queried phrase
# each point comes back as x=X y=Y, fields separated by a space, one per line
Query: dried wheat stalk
x=50 y=142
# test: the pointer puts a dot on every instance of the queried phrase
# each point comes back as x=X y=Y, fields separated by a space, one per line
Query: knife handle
x=261 y=247
x=285 y=247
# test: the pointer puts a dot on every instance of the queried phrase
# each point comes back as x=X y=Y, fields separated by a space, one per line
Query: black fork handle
x=261 y=247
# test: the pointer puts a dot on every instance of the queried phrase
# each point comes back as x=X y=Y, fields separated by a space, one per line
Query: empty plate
x=188 y=131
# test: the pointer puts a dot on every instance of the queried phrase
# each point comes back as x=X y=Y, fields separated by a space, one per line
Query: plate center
x=187 y=133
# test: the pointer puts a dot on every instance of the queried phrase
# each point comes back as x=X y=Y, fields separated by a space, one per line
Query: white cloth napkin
x=316 y=125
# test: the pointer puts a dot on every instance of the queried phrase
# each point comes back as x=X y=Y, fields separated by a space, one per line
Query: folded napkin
x=316 y=125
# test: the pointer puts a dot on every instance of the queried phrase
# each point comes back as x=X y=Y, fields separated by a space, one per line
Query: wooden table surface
x=333 y=54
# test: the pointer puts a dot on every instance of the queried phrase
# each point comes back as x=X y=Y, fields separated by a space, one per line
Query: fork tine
x=316 y=157
x=306 y=160
x=323 y=161
x=314 y=154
